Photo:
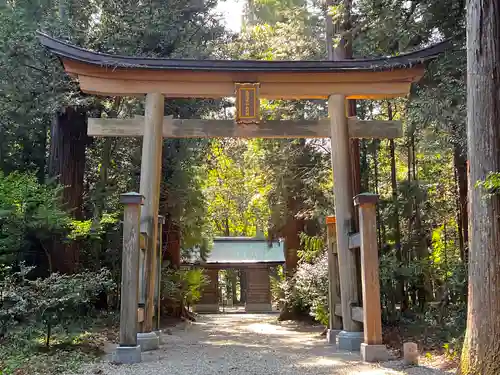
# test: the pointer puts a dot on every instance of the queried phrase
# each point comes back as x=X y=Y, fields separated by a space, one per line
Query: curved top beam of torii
x=377 y=78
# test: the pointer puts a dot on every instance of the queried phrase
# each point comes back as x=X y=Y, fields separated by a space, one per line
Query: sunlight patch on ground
x=231 y=343
x=377 y=372
x=269 y=329
x=321 y=362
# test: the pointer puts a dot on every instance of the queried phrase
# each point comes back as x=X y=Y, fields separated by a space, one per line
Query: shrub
x=58 y=300
x=29 y=212
x=311 y=287
x=183 y=286
x=15 y=307
x=307 y=290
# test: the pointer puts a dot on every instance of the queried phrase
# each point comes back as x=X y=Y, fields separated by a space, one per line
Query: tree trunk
x=243 y=286
x=400 y=286
x=227 y=232
x=103 y=178
x=460 y=162
x=364 y=165
x=232 y=278
x=108 y=146
x=481 y=349
x=172 y=240
x=375 y=145
x=67 y=165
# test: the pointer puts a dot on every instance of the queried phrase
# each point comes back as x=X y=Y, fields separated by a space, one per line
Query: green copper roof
x=245 y=250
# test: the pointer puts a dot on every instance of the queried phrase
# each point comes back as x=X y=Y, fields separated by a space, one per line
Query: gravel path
x=250 y=344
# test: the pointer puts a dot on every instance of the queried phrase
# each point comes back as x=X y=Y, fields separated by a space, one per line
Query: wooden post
x=151 y=153
x=335 y=322
x=343 y=210
x=161 y=221
x=372 y=348
x=130 y=268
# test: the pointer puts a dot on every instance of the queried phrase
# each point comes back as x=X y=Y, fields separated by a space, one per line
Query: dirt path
x=249 y=344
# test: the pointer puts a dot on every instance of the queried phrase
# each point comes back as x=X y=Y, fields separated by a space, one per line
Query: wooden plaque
x=247 y=103
x=331 y=220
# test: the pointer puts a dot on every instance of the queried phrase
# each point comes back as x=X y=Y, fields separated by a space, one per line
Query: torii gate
x=336 y=81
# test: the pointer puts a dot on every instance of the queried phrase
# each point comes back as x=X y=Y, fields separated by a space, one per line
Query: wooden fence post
x=128 y=351
x=334 y=322
x=372 y=349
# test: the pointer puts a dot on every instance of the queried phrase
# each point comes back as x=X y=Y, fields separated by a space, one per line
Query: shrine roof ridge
x=69 y=51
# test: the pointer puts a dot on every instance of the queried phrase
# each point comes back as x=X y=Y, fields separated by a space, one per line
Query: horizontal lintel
x=268 y=90
x=198 y=128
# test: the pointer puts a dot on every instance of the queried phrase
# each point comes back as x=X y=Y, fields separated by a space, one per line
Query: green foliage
x=54 y=301
x=29 y=212
x=233 y=186
x=235 y=191
x=59 y=298
x=312 y=247
x=183 y=286
x=22 y=354
x=15 y=305
x=182 y=200
x=307 y=290
x=490 y=185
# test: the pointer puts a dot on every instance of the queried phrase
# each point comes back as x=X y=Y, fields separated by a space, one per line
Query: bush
x=58 y=300
x=183 y=286
x=311 y=287
x=307 y=290
x=15 y=307
x=29 y=212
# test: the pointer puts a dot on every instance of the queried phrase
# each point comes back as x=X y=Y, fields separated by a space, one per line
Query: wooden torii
x=248 y=81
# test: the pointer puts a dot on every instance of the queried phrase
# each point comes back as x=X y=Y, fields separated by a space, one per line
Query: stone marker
x=410 y=353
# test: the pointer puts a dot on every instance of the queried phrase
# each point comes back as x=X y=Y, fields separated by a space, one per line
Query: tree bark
x=232 y=277
x=243 y=286
x=460 y=162
x=400 y=286
x=67 y=166
x=481 y=349
x=291 y=231
x=172 y=240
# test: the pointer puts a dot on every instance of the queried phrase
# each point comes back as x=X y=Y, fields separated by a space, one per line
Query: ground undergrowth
x=24 y=352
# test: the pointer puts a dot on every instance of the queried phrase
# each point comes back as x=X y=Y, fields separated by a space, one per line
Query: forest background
x=60 y=231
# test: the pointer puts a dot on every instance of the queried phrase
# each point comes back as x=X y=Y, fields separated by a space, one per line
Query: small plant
x=450 y=352
x=58 y=299
x=183 y=286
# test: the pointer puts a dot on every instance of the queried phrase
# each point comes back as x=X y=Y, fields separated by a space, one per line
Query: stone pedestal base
x=331 y=336
x=158 y=334
x=374 y=353
x=206 y=308
x=127 y=355
x=148 y=341
x=350 y=341
x=410 y=352
x=258 y=307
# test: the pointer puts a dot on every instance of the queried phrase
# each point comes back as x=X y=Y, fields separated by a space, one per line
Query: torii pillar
x=352 y=335
x=152 y=143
